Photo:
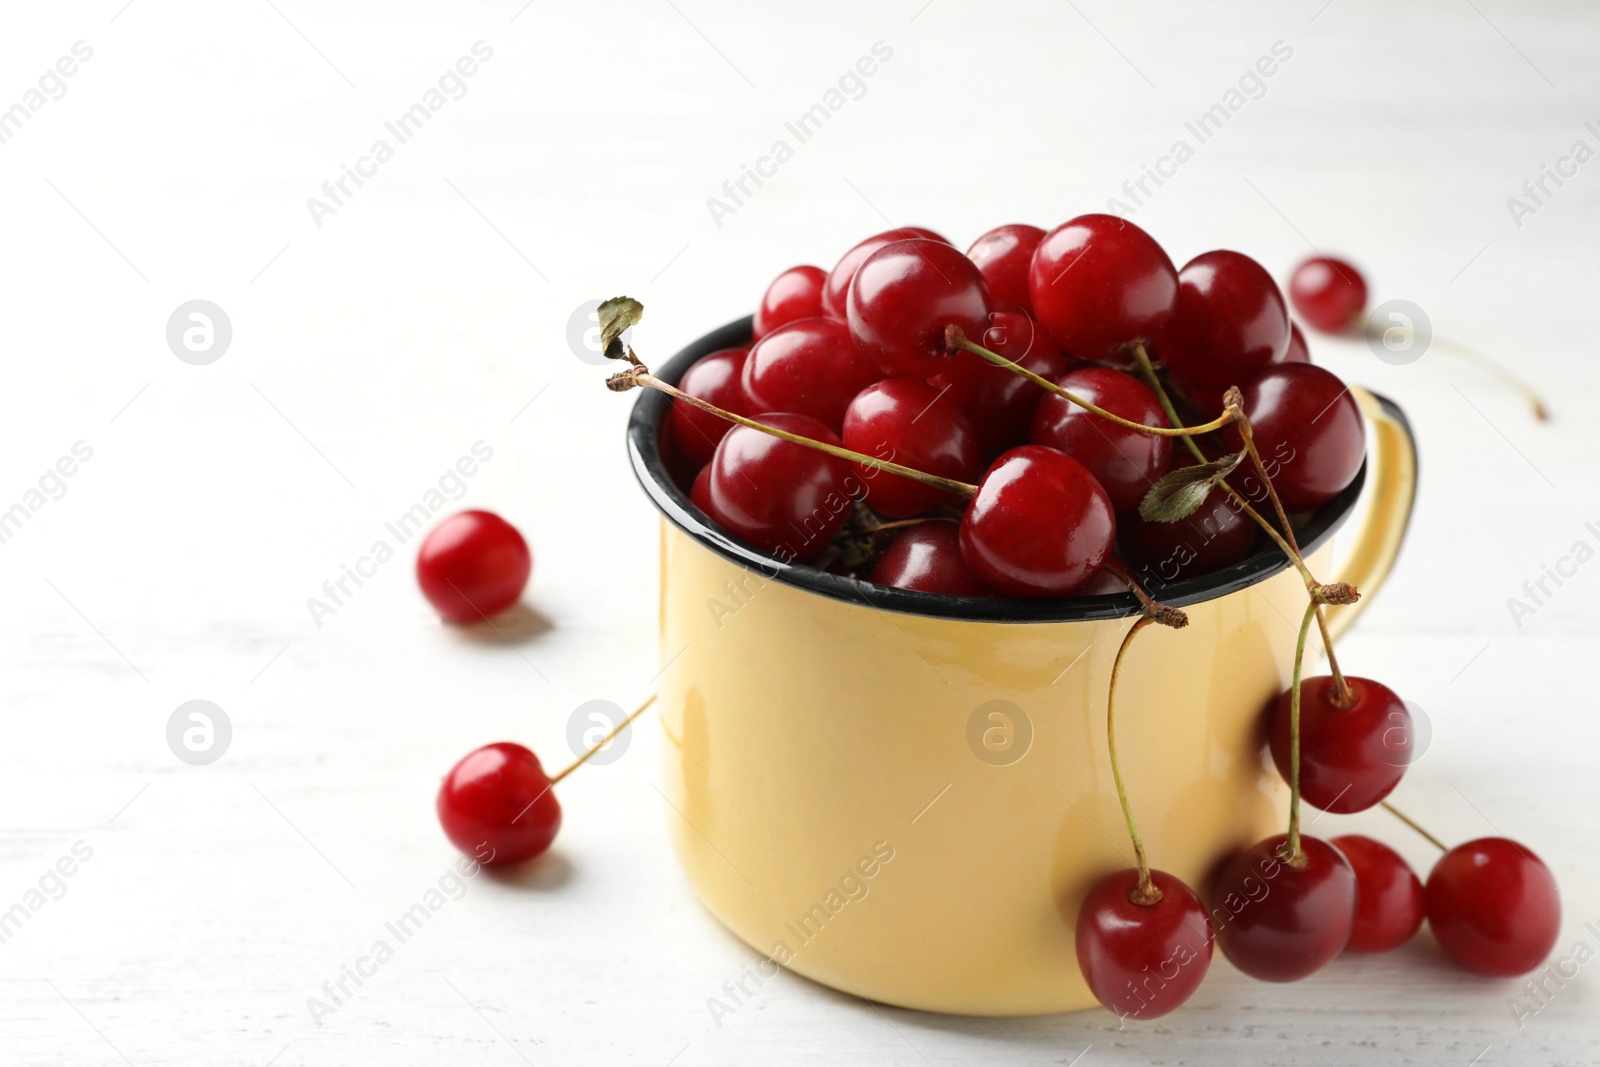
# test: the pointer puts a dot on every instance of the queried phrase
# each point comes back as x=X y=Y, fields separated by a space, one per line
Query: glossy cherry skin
x=1308 y=430
x=927 y=557
x=837 y=289
x=1350 y=758
x=1329 y=294
x=1124 y=461
x=1217 y=535
x=473 y=565
x=497 y=806
x=910 y=422
x=1106 y=583
x=1389 y=901
x=789 y=499
x=1280 y=923
x=1040 y=525
x=810 y=367
x=1230 y=321
x=1143 y=960
x=903 y=298
x=1004 y=255
x=1298 y=351
x=1494 y=906
x=793 y=295
x=1099 y=283
x=999 y=402
x=716 y=380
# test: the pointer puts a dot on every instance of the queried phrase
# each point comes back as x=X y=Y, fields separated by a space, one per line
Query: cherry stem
x=1378 y=331
x=1294 y=857
x=1343 y=695
x=604 y=741
x=1289 y=549
x=1157 y=611
x=956 y=339
x=900 y=523
x=1145 y=892
x=638 y=375
x=1403 y=817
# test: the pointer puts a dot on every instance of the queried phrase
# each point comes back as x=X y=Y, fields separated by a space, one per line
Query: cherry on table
x=473 y=565
x=1098 y=283
x=497 y=806
x=1123 y=460
x=1143 y=960
x=787 y=498
x=999 y=402
x=1039 y=526
x=810 y=367
x=905 y=296
x=793 y=295
x=1494 y=906
x=1280 y=923
x=1004 y=255
x=927 y=557
x=1230 y=321
x=1389 y=901
x=715 y=379
x=913 y=423
x=837 y=289
x=1308 y=429
x=1350 y=757
x=1330 y=294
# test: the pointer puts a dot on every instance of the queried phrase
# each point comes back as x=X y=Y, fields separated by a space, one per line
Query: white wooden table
x=430 y=310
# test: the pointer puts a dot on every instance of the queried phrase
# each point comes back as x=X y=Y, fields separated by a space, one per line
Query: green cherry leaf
x=1179 y=494
x=616 y=316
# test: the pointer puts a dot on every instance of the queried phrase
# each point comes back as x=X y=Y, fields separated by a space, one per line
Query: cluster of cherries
x=1025 y=465
x=910 y=351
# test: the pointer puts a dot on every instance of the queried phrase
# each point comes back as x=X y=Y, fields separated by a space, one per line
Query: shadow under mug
x=906 y=796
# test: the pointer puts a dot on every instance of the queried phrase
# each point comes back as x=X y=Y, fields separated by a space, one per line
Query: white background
x=431 y=311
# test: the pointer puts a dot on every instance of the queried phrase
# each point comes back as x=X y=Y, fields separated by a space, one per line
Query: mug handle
x=1393 y=491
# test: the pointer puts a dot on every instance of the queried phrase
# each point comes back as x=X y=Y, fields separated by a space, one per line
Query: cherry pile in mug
x=858 y=356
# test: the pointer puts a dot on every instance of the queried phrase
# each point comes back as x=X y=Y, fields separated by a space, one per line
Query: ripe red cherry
x=715 y=379
x=1280 y=923
x=912 y=423
x=497 y=806
x=1328 y=293
x=1217 y=535
x=1298 y=351
x=793 y=295
x=473 y=565
x=1389 y=899
x=838 y=285
x=1308 y=430
x=1098 y=283
x=789 y=499
x=810 y=367
x=700 y=490
x=999 y=402
x=1230 y=321
x=1494 y=906
x=1124 y=461
x=1040 y=525
x=1004 y=255
x=1143 y=960
x=927 y=557
x=1350 y=758
x=903 y=298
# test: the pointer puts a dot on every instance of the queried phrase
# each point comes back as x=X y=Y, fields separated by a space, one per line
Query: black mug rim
x=644 y=453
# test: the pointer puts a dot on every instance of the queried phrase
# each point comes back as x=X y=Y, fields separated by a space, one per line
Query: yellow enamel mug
x=906 y=796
